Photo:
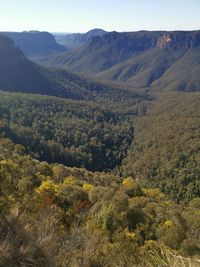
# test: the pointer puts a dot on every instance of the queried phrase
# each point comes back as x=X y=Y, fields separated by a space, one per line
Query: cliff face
x=35 y=43
x=160 y=60
x=143 y=40
x=179 y=40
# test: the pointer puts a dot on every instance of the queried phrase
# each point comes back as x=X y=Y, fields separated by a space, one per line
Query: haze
x=81 y=16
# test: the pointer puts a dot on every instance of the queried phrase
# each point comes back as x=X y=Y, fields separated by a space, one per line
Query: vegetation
x=166 y=147
x=130 y=194
x=51 y=215
x=81 y=134
x=160 y=149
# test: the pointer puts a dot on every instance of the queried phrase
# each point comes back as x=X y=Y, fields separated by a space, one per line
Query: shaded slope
x=143 y=69
x=18 y=74
x=35 y=43
x=183 y=75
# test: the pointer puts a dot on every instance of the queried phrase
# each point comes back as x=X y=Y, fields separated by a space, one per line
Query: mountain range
x=35 y=43
x=75 y=40
x=155 y=61
x=19 y=74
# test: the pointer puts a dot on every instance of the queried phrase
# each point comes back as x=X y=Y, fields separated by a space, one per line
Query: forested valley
x=100 y=173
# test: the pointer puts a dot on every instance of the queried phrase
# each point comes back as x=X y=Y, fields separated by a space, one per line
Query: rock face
x=158 y=60
x=35 y=43
x=179 y=40
x=163 y=41
x=143 y=40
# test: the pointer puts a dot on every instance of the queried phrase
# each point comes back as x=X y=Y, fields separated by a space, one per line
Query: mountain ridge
x=35 y=43
x=19 y=74
x=75 y=40
x=127 y=57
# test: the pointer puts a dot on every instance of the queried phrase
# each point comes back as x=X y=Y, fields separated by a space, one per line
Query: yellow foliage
x=168 y=224
x=47 y=186
x=3 y=162
x=88 y=187
x=128 y=182
x=130 y=235
x=69 y=181
x=153 y=193
x=148 y=245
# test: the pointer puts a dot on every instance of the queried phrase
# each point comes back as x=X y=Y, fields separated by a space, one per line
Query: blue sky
x=83 y=15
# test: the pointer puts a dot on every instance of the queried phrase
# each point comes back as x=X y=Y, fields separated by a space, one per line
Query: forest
x=129 y=196
x=52 y=215
x=79 y=134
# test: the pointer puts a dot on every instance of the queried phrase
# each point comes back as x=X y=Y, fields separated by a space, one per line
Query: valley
x=100 y=149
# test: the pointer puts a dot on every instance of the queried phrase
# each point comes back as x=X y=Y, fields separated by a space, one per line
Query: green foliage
x=78 y=134
x=165 y=152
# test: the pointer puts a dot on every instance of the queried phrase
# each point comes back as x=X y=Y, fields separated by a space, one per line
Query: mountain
x=35 y=43
x=18 y=74
x=75 y=40
x=153 y=60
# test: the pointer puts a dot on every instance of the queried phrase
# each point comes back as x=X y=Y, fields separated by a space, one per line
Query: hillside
x=75 y=40
x=52 y=215
x=153 y=60
x=18 y=74
x=34 y=43
x=166 y=147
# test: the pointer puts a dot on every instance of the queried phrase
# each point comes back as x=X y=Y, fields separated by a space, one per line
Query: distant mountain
x=155 y=60
x=75 y=40
x=35 y=43
x=18 y=74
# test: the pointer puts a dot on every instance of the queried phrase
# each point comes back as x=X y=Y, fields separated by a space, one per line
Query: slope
x=166 y=149
x=35 y=43
x=153 y=60
x=18 y=74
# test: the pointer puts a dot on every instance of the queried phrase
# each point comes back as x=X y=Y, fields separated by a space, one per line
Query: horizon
x=61 y=33
x=63 y=16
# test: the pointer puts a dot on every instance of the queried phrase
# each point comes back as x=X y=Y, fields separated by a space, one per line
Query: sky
x=84 y=15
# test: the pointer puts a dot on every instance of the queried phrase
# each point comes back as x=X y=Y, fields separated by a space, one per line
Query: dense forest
x=53 y=215
x=156 y=142
x=81 y=134
x=166 y=147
